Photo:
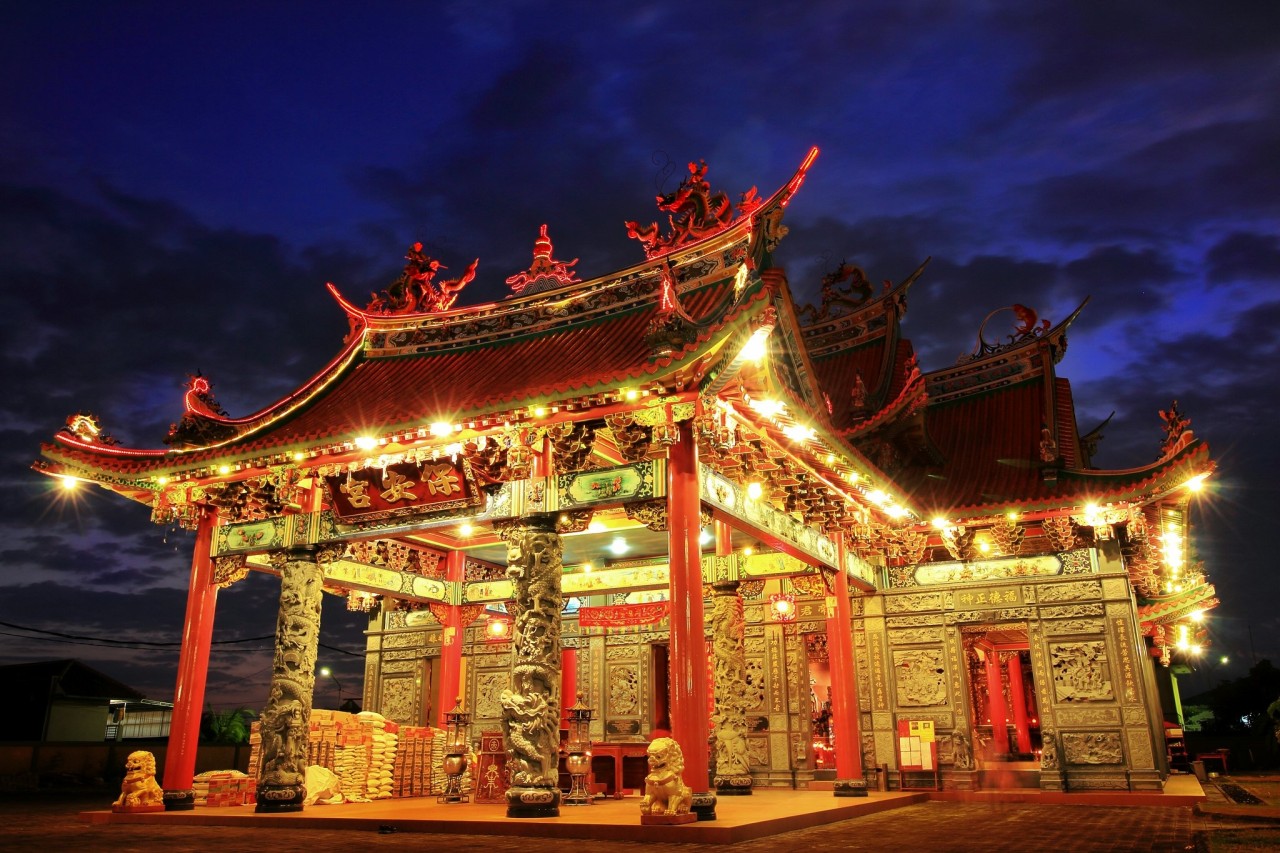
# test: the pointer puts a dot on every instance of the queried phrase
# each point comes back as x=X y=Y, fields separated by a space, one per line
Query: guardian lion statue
x=665 y=792
x=139 y=789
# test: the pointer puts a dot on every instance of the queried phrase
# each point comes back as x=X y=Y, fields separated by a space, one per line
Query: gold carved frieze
x=408 y=640
x=400 y=654
x=489 y=687
x=1115 y=587
x=399 y=662
x=1081 y=672
x=1012 y=614
x=1093 y=747
x=980 y=571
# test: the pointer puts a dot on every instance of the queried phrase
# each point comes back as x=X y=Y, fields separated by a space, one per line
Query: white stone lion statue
x=139 y=787
x=665 y=792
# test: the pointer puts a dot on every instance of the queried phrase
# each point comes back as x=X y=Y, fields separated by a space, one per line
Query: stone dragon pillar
x=733 y=772
x=286 y=719
x=530 y=707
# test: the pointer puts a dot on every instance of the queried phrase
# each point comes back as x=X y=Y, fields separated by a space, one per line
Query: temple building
x=755 y=526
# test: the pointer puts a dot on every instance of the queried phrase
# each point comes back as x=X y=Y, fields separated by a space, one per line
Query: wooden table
x=618 y=753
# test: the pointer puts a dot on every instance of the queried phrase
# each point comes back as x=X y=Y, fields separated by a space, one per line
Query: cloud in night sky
x=176 y=186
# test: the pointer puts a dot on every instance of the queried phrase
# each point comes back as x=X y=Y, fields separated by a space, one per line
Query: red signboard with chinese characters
x=371 y=494
x=622 y=615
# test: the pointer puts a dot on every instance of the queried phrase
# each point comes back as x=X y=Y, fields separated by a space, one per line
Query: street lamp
x=328 y=673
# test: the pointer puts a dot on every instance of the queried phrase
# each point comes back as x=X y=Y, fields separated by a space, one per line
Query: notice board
x=917 y=756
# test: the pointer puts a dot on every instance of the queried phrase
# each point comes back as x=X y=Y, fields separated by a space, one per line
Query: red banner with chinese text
x=622 y=615
x=374 y=493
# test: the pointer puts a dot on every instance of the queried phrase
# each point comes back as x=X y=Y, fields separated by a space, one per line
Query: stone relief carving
x=1081 y=717
x=916 y=636
x=1075 y=591
x=1071 y=611
x=1076 y=562
x=531 y=713
x=399 y=700
x=913 y=602
x=1140 y=753
x=913 y=621
x=408 y=640
x=920 y=676
x=1080 y=672
x=1049 y=757
x=489 y=687
x=758 y=751
x=1093 y=747
x=729 y=722
x=624 y=691
x=753 y=693
x=1058 y=627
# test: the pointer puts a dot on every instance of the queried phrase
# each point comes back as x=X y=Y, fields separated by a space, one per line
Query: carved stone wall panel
x=1070 y=611
x=1093 y=747
x=1115 y=587
x=1081 y=672
x=400 y=701
x=885 y=754
x=873 y=605
x=1072 y=591
x=624 y=691
x=402 y=654
x=754 y=696
x=912 y=603
x=1135 y=716
x=405 y=640
x=490 y=661
x=920 y=677
x=758 y=752
x=916 y=621
x=882 y=720
x=1008 y=614
x=914 y=636
x=1060 y=627
x=489 y=687
x=778 y=752
x=1141 y=756
x=616 y=651
x=941 y=719
x=1082 y=717
x=390 y=667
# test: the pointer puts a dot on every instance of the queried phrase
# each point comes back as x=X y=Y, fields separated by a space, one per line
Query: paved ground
x=47 y=823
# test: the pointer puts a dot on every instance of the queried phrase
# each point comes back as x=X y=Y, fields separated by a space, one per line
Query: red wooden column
x=1018 y=696
x=724 y=538
x=455 y=563
x=688 y=660
x=193 y=670
x=996 y=708
x=844 y=693
x=568 y=683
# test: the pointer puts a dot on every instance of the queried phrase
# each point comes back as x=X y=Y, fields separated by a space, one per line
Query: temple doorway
x=819 y=671
x=1002 y=697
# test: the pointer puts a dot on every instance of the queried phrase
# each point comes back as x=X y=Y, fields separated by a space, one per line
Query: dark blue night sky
x=178 y=182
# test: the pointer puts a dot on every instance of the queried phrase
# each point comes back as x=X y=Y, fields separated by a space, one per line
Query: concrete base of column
x=1052 y=780
x=703 y=805
x=963 y=780
x=180 y=800
x=282 y=798
x=850 y=787
x=523 y=801
x=733 y=786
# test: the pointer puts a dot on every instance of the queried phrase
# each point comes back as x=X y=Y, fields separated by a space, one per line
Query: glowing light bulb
x=440 y=429
x=754 y=490
x=366 y=442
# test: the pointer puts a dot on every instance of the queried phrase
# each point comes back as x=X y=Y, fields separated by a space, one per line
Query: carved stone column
x=286 y=719
x=530 y=708
x=733 y=771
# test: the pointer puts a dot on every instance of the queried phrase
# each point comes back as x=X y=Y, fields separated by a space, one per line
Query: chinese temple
x=709 y=512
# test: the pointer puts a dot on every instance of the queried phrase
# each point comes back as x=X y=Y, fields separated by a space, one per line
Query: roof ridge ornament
x=204 y=421
x=844 y=300
x=545 y=273
x=671 y=327
x=694 y=212
x=1027 y=326
x=1177 y=430
x=416 y=291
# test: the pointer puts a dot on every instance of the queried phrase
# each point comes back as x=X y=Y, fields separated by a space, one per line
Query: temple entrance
x=1002 y=698
x=819 y=672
